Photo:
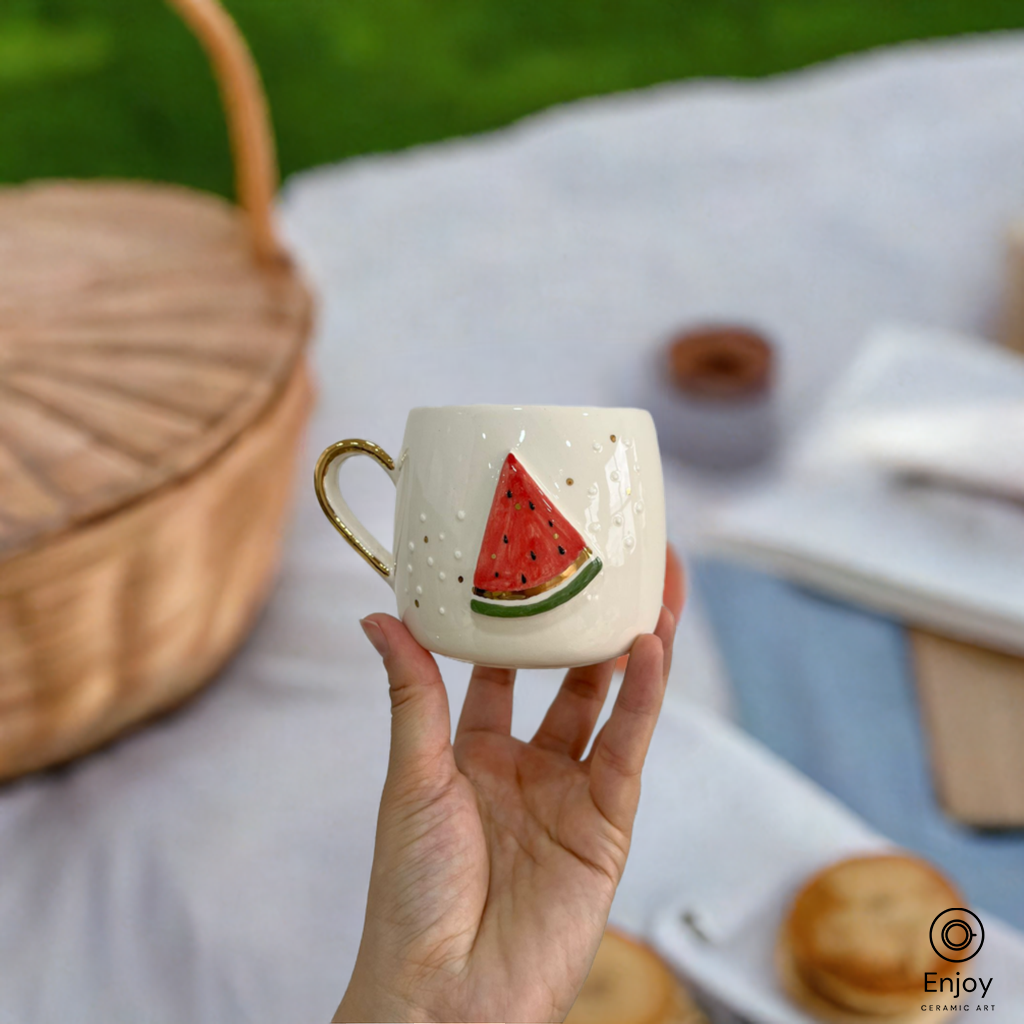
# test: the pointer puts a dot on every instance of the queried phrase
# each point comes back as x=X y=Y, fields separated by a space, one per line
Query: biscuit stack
x=855 y=945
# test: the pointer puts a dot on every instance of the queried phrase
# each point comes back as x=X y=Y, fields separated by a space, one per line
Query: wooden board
x=1012 y=327
x=972 y=703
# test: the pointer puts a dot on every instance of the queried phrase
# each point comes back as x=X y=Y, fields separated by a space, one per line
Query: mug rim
x=483 y=406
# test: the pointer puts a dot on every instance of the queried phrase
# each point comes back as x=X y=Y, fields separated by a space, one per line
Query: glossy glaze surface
x=599 y=473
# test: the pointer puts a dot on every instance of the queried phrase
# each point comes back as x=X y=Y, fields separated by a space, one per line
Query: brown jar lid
x=721 y=361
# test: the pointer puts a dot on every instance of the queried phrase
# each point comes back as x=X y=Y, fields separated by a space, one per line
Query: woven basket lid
x=142 y=327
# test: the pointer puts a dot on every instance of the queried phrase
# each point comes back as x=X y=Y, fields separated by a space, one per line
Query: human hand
x=496 y=860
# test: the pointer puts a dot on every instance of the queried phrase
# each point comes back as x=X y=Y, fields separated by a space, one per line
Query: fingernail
x=376 y=636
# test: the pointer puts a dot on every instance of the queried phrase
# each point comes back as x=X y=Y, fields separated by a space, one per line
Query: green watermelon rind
x=518 y=611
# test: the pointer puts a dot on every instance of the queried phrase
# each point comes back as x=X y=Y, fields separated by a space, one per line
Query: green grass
x=117 y=87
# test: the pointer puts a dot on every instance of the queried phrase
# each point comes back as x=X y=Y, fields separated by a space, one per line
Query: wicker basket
x=153 y=394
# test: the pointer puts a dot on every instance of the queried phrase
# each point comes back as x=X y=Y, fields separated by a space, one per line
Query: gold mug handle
x=337 y=510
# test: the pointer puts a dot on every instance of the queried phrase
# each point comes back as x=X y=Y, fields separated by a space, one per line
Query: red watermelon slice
x=529 y=549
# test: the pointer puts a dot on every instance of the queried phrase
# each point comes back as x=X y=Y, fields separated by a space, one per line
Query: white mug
x=525 y=536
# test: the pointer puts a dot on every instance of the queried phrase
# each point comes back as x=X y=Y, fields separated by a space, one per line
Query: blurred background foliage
x=118 y=87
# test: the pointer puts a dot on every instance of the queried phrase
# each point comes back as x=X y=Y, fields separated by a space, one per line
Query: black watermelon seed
x=508 y=494
x=533 y=556
x=551 y=523
x=522 y=577
x=505 y=538
x=497 y=574
x=460 y=579
x=532 y=506
x=561 y=550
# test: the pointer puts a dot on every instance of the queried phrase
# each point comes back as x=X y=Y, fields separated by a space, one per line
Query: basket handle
x=245 y=106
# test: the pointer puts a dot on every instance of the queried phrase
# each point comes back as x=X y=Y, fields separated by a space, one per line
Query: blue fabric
x=831 y=689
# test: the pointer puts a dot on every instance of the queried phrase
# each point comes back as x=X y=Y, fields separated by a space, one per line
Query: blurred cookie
x=855 y=943
x=827 y=1012
x=630 y=984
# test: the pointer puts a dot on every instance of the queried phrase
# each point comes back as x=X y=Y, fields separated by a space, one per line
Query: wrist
x=367 y=1001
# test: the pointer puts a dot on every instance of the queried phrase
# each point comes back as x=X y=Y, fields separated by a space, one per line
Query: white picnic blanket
x=213 y=868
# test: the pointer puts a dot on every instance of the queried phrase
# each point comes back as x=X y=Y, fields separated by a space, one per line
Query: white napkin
x=738 y=830
x=930 y=404
x=893 y=500
x=972 y=447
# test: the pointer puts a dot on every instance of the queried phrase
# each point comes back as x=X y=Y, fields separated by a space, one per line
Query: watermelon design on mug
x=529 y=550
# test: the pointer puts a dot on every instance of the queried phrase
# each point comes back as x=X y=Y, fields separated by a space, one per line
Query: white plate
x=739 y=831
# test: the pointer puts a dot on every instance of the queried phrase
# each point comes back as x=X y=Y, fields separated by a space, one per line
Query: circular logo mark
x=957 y=935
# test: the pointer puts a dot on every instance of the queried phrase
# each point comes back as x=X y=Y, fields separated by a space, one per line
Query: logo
x=957 y=935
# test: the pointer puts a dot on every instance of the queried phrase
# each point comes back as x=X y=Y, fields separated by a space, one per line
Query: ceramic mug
x=525 y=536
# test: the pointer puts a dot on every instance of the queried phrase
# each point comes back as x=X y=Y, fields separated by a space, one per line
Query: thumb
x=420 y=722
